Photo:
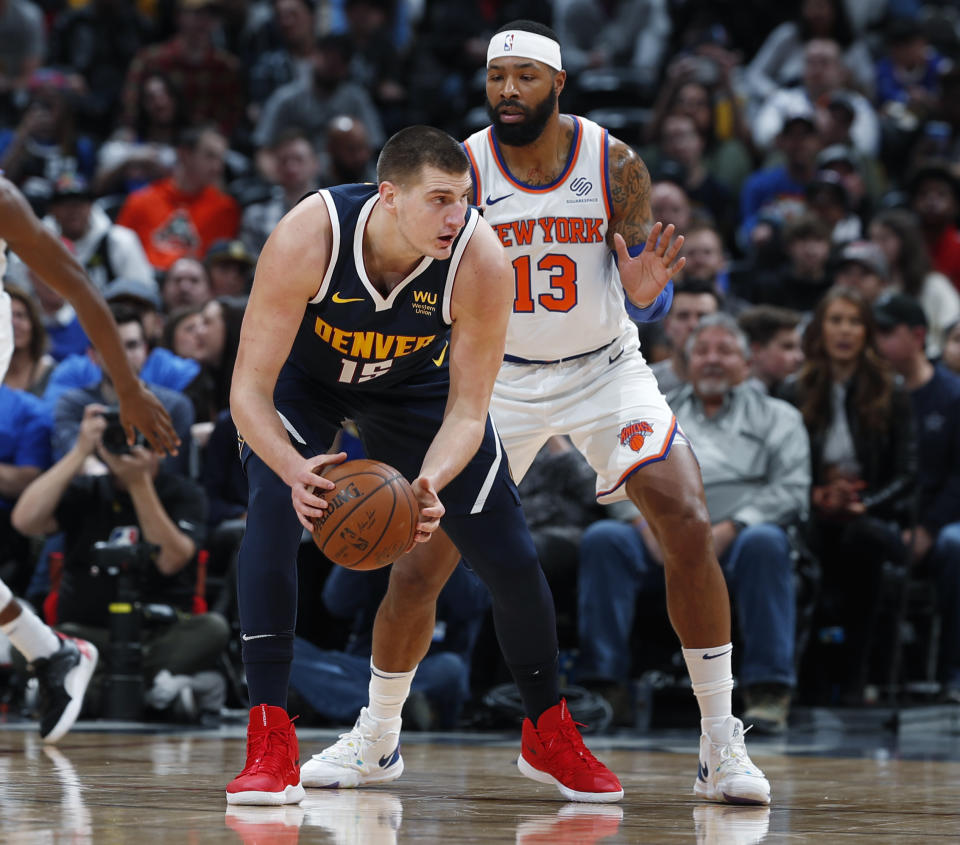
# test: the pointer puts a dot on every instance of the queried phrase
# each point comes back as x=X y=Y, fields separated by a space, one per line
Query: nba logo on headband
x=508 y=43
x=522 y=44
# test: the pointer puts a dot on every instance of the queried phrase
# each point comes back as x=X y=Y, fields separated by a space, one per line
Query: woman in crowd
x=863 y=455
x=30 y=366
x=897 y=232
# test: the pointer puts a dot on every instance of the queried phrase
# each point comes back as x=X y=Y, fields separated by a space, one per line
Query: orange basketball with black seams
x=372 y=516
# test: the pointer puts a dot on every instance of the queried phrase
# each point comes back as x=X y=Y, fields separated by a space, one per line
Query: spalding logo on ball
x=371 y=518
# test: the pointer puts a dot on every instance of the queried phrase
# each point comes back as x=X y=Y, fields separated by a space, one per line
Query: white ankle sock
x=388 y=692
x=711 y=674
x=30 y=636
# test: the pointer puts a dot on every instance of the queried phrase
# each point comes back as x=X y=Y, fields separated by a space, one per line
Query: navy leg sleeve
x=498 y=547
x=267 y=584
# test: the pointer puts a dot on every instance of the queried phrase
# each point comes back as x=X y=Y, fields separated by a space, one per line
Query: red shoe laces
x=565 y=741
x=269 y=750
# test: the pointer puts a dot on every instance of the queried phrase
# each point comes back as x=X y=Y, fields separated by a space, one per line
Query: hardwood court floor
x=167 y=787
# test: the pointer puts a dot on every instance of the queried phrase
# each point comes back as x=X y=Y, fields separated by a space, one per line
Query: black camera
x=114 y=438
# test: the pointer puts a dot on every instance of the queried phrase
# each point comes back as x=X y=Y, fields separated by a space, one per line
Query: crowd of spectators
x=806 y=150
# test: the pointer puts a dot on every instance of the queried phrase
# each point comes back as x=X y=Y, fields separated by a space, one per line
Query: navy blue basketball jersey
x=355 y=337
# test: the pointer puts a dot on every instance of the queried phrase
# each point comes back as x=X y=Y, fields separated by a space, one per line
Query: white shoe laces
x=733 y=754
x=345 y=749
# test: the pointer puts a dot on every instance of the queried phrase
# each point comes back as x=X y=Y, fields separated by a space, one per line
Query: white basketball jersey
x=569 y=299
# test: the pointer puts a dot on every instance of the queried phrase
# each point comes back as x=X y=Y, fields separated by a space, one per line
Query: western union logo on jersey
x=424 y=303
x=370 y=345
x=548 y=230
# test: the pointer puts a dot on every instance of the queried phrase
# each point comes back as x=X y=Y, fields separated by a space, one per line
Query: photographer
x=168 y=510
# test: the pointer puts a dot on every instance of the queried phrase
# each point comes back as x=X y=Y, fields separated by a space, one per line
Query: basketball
x=372 y=515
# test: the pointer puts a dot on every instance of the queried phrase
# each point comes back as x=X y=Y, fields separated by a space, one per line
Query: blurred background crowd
x=806 y=149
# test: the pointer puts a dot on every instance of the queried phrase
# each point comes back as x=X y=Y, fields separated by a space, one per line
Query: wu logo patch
x=581 y=187
x=425 y=302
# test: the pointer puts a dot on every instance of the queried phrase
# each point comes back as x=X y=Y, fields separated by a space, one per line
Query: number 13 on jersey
x=562 y=270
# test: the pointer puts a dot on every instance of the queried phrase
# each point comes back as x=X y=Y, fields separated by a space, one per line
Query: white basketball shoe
x=726 y=773
x=365 y=755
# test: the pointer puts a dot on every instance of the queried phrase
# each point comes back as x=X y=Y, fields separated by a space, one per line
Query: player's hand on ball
x=304 y=483
x=431 y=509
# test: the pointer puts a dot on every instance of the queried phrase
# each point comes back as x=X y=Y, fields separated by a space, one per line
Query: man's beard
x=529 y=129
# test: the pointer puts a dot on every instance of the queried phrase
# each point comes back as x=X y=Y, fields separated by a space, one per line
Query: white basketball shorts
x=608 y=402
x=6 y=332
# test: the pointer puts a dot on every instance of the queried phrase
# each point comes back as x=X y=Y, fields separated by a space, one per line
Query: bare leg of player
x=670 y=496
x=402 y=633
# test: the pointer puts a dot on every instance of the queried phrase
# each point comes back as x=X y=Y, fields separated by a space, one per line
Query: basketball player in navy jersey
x=571 y=206
x=387 y=304
x=64 y=665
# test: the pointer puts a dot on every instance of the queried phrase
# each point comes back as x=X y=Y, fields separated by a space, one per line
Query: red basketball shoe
x=272 y=772
x=553 y=752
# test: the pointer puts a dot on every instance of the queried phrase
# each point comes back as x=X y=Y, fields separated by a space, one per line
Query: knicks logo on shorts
x=634 y=434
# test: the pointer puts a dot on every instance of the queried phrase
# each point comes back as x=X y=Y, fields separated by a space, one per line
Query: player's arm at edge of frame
x=632 y=218
x=289 y=271
x=41 y=250
x=480 y=308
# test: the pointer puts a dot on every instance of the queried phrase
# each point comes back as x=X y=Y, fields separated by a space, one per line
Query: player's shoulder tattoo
x=630 y=190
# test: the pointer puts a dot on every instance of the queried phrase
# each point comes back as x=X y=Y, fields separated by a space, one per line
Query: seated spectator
x=60 y=321
x=861 y=265
x=230 y=267
x=716 y=114
x=703 y=249
x=24 y=453
x=183 y=332
x=776 y=352
x=30 y=366
x=144 y=299
x=186 y=213
x=692 y=301
x=951 y=348
x=46 y=142
x=105 y=250
x=22 y=46
x=897 y=232
x=861 y=178
x=335 y=683
x=165 y=510
x=349 y=157
x=771 y=198
x=209 y=77
x=311 y=105
x=683 y=149
x=803 y=279
x=779 y=63
x=135 y=156
x=70 y=404
x=823 y=75
x=935 y=396
x=185 y=285
x=935 y=197
x=827 y=198
x=754 y=456
x=863 y=454
x=98 y=41
x=295 y=23
x=633 y=34
x=294 y=166
x=908 y=71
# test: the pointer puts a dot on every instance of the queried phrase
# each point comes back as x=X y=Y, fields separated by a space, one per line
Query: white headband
x=517 y=42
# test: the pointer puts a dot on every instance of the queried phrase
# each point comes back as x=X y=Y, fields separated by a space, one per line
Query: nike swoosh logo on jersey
x=492 y=201
x=439 y=359
x=341 y=300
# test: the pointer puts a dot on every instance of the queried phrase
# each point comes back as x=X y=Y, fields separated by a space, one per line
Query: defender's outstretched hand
x=645 y=275
x=140 y=409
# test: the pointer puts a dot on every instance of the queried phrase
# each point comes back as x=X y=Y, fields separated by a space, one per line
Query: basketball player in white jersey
x=63 y=665
x=571 y=206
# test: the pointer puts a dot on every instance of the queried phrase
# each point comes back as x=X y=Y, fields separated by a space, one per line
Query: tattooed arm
x=630 y=188
x=643 y=257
